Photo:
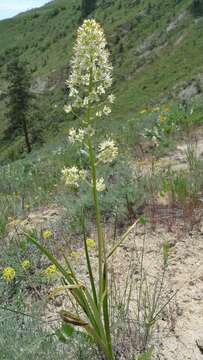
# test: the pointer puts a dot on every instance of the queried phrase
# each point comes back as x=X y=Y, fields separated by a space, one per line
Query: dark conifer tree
x=197 y=7
x=87 y=7
x=19 y=97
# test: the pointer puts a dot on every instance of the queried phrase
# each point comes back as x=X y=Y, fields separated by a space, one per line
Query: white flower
x=81 y=135
x=90 y=64
x=99 y=113
x=78 y=102
x=155 y=141
x=73 y=92
x=72 y=135
x=111 y=98
x=71 y=176
x=100 y=90
x=85 y=101
x=83 y=174
x=100 y=185
x=67 y=108
x=108 y=151
x=84 y=152
x=76 y=135
x=106 y=110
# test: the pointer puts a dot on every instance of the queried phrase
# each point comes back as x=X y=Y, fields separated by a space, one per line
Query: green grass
x=35 y=181
x=30 y=338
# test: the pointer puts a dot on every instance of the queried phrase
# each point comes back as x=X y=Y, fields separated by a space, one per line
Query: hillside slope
x=156 y=47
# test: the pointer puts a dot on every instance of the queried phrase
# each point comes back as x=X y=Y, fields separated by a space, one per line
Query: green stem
x=103 y=282
x=98 y=216
x=95 y=195
x=89 y=263
x=106 y=311
x=103 y=286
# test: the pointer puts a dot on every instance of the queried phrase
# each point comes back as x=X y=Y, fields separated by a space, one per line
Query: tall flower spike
x=90 y=64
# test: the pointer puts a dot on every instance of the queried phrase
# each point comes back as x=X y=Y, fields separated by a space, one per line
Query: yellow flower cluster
x=9 y=274
x=165 y=109
x=50 y=271
x=74 y=254
x=143 y=111
x=162 y=118
x=14 y=222
x=90 y=243
x=47 y=234
x=25 y=264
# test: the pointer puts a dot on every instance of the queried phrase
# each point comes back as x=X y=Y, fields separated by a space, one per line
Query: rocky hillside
x=156 y=50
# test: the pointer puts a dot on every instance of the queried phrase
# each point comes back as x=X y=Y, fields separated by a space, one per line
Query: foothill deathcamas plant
x=89 y=84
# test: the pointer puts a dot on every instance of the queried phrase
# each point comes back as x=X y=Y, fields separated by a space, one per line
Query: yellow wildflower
x=9 y=274
x=166 y=109
x=162 y=118
x=75 y=254
x=50 y=270
x=90 y=243
x=141 y=162
x=143 y=111
x=156 y=108
x=14 y=222
x=25 y=264
x=47 y=234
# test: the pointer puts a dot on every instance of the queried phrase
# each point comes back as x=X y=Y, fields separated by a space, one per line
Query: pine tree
x=197 y=7
x=87 y=7
x=19 y=97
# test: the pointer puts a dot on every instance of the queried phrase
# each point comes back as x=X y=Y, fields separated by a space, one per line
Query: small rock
x=58 y=302
x=201 y=278
x=179 y=311
x=199 y=343
x=190 y=91
x=197 y=297
x=172 y=242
